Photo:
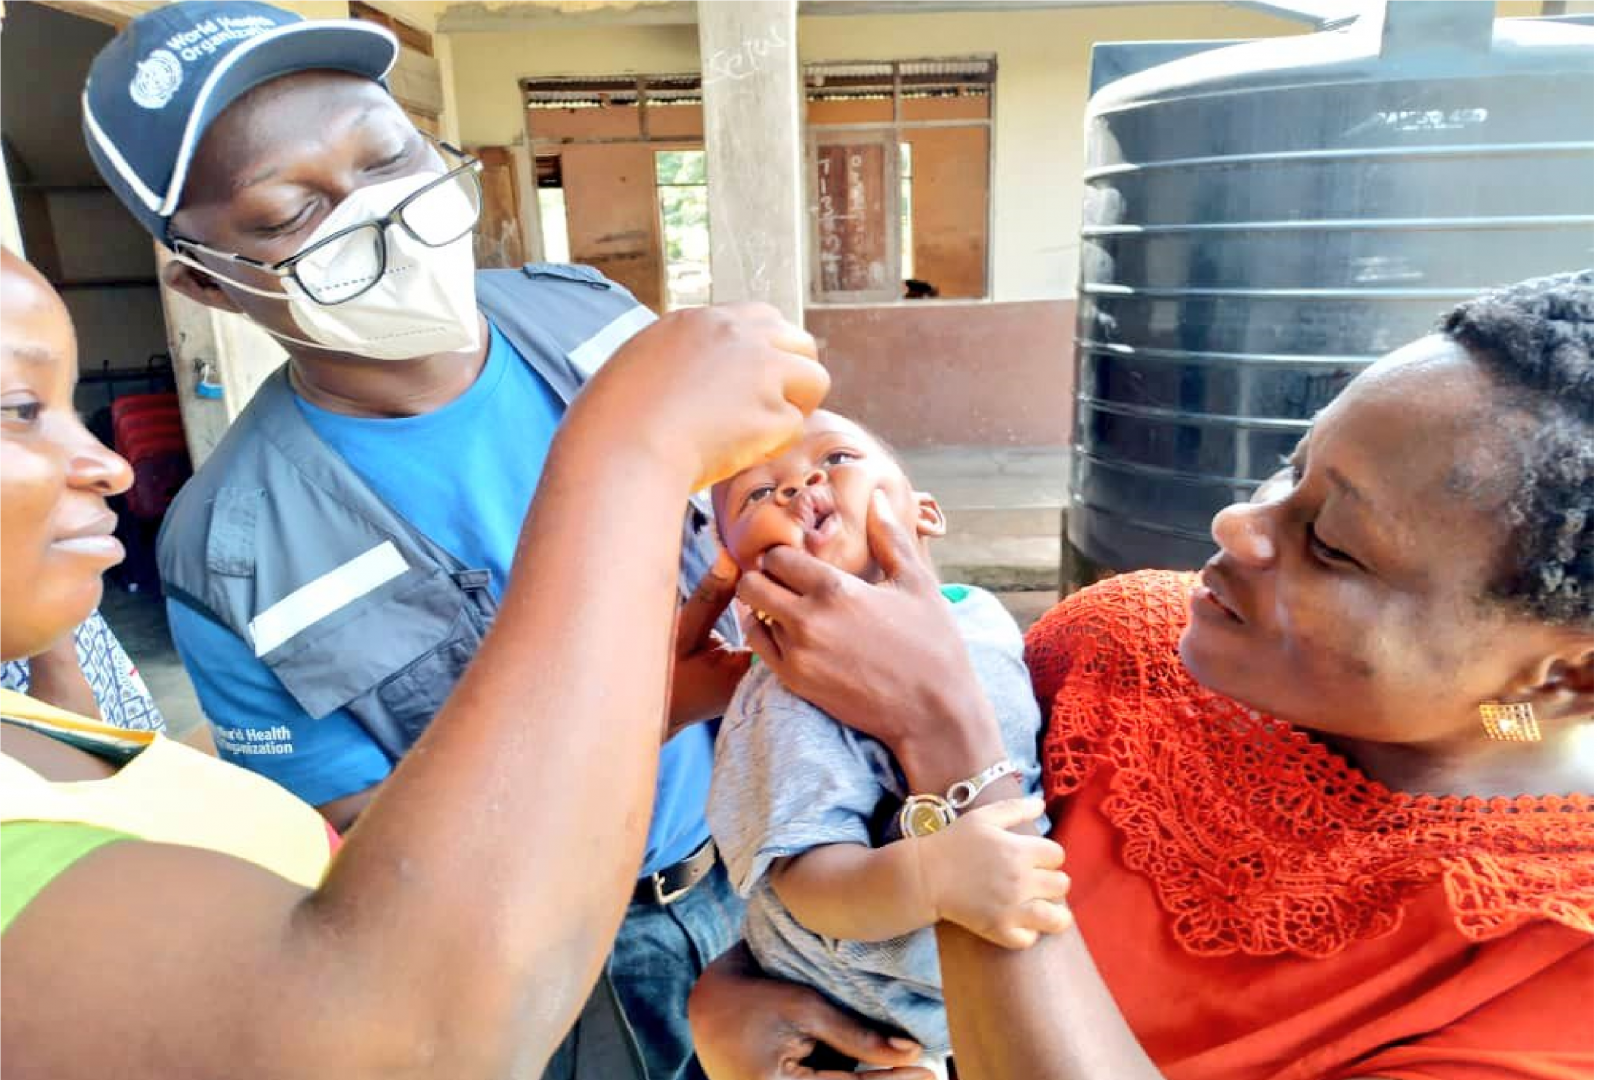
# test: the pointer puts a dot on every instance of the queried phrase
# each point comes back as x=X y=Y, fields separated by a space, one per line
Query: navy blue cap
x=157 y=86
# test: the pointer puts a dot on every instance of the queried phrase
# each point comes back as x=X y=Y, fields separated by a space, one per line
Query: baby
x=805 y=811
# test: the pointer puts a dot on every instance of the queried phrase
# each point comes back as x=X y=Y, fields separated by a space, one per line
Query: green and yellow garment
x=164 y=792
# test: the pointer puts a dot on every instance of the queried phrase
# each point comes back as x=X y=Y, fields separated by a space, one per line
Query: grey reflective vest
x=279 y=540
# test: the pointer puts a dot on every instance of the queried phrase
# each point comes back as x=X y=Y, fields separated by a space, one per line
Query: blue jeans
x=658 y=956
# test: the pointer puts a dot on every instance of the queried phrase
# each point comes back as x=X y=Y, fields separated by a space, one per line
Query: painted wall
x=487 y=66
x=1042 y=58
x=957 y=373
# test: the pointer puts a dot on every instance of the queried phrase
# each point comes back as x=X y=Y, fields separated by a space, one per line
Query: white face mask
x=424 y=303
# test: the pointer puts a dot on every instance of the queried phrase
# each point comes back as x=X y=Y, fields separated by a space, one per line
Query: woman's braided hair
x=1535 y=340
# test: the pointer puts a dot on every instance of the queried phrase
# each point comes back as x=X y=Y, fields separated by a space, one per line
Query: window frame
x=577 y=91
x=895 y=129
x=573 y=91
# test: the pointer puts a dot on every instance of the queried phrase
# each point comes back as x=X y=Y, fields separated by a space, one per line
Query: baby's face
x=817 y=495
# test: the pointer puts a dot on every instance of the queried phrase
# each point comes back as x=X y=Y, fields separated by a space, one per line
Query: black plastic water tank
x=1263 y=220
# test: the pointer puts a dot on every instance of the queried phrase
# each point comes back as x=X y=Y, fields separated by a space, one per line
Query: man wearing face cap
x=331 y=569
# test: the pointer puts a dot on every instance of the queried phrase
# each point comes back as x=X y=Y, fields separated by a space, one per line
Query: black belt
x=665 y=887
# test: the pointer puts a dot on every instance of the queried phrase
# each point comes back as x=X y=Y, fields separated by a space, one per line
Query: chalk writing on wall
x=852 y=217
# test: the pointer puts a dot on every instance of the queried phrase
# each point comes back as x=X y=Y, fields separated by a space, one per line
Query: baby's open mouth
x=818 y=517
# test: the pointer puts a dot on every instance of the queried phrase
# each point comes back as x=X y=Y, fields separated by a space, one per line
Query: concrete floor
x=1005 y=511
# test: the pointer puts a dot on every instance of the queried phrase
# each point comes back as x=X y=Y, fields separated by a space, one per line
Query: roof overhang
x=490 y=16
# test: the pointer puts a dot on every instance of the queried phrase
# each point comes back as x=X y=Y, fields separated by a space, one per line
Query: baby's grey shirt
x=788 y=778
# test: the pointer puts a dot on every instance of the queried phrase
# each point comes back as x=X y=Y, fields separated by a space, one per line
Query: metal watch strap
x=946 y=808
x=965 y=792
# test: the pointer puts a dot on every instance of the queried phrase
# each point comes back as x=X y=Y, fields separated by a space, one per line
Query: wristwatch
x=923 y=815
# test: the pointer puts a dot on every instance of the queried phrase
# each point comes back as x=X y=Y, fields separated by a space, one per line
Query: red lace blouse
x=1260 y=909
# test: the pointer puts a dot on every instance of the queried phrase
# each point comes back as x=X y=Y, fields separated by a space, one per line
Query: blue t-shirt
x=463 y=475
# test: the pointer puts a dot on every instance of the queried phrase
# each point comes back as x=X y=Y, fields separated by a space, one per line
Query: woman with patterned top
x=1326 y=806
x=88 y=673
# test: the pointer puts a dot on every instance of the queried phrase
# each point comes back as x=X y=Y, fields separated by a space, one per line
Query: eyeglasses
x=340 y=267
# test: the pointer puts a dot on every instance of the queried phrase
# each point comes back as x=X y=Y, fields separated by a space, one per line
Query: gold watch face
x=924 y=815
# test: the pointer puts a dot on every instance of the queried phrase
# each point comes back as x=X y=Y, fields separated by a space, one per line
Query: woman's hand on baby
x=713 y=389
x=706 y=669
x=885 y=659
x=1000 y=885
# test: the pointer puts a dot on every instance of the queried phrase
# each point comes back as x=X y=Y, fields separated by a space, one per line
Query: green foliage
x=679 y=167
x=684 y=203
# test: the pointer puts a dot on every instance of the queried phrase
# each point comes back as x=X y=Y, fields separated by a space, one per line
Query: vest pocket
x=416 y=632
x=413 y=697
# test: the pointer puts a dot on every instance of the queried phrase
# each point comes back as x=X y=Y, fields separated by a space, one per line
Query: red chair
x=148 y=431
x=133 y=403
x=156 y=481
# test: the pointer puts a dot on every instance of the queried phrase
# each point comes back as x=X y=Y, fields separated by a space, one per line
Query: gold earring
x=1510 y=721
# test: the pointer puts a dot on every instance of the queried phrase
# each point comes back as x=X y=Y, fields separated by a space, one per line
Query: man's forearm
x=854 y=892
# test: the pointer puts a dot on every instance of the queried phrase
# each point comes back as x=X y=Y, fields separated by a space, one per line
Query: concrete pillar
x=753 y=138
x=526 y=169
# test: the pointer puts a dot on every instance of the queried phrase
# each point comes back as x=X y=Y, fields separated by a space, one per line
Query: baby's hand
x=1000 y=885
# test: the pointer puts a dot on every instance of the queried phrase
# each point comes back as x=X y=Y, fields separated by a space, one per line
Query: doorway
x=683 y=193
x=73 y=228
x=621 y=184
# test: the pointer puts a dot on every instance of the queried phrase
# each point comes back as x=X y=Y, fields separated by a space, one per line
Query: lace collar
x=1259 y=839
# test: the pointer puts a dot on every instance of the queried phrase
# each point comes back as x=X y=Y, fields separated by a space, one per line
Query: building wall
x=488 y=65
x=1043 y=59
x=952 y=373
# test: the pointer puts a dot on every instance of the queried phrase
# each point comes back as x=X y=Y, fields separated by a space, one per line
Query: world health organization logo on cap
x=155 y=88
x=156 y=79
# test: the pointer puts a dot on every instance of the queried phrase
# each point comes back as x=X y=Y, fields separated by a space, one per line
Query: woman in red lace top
x=1309 y=830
